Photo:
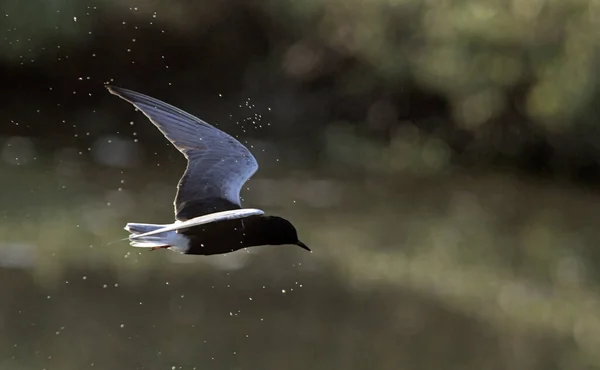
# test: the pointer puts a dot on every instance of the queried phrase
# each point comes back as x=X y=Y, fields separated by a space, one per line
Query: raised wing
x=218 y=165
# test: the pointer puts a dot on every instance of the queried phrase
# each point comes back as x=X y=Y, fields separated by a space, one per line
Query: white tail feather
x=136 y=228
x=146 y=244
x=172 y=239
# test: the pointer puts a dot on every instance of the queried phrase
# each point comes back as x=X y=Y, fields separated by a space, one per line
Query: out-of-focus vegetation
x=490 y=82
x=424 y=149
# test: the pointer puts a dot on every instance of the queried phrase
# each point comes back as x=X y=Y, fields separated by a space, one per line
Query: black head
x=281 y=231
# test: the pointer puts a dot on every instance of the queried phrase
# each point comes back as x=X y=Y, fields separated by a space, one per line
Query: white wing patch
x=206 y=219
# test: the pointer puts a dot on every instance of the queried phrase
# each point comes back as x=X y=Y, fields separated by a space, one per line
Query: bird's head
x=281 y=231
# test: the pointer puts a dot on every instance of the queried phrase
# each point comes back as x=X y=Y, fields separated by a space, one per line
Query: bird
x=209 y=218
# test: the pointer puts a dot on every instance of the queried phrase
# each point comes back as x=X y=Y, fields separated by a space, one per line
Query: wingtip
x=121 y=93
x=112 y=89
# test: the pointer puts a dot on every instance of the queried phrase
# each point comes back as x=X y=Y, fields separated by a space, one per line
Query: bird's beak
x=302 y=245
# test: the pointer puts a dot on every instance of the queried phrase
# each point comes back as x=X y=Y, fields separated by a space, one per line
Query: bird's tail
x=135 y=228
x=150 y=241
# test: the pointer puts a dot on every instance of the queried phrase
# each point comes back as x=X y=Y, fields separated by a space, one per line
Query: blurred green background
x=441 y=158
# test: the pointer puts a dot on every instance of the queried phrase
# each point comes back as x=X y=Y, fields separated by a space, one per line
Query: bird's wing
x=203 y=220
x=217 y=164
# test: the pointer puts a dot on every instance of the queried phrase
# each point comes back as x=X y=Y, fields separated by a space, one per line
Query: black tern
x=209 y=218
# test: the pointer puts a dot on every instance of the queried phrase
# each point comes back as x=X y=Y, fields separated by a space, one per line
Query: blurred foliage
x=494 y=82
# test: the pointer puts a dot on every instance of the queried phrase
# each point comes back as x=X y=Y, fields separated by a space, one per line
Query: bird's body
x=208 y=212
